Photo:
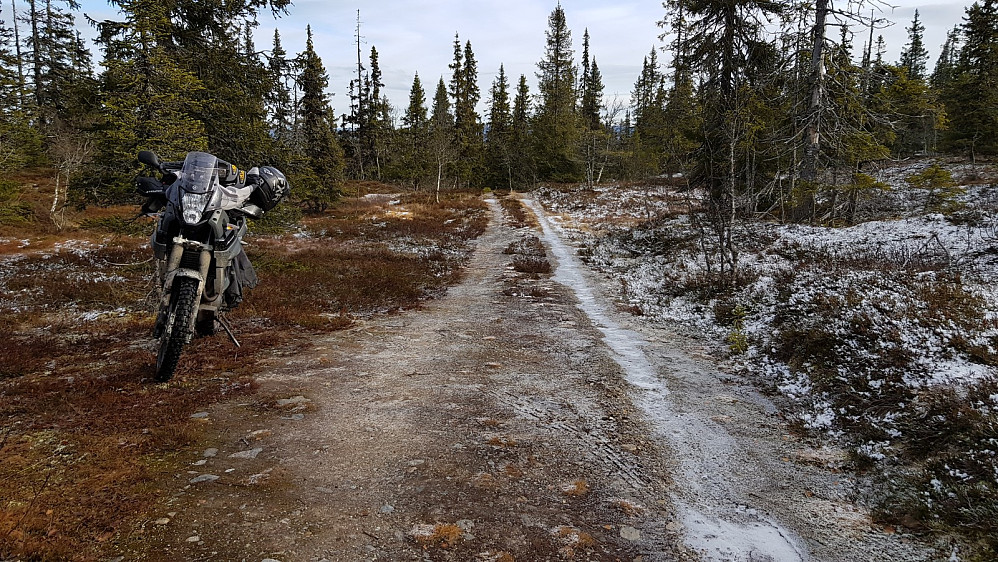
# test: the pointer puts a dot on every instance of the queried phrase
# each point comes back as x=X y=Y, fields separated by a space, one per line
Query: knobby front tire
x=183 y=309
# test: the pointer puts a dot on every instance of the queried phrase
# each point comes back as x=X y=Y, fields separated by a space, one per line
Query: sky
x=417 y=36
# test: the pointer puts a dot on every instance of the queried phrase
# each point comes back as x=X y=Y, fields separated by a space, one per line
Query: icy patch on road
x=712 y=527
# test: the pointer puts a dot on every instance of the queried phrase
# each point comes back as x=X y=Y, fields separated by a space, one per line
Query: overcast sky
x=417 y=36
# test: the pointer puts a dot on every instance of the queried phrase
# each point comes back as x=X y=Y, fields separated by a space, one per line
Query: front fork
x=170 y=269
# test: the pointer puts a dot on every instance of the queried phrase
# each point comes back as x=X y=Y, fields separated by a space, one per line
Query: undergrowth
x=887 y=347
x=86 y=436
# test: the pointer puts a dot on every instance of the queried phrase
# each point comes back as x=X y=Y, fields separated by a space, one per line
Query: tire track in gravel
x=490 y=425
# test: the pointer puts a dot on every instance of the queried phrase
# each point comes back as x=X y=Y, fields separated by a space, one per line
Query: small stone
x=293 y=400
x=629 y=447
x=416 y=462
x=204 y=478
x=162 y=520
x=195 y=538
x=466 y=525
x=387 y=509
x=489 y=338
x=630 y=534
x=248 y=454
x=199 y=415
x=259 y=434
x=208 y=453
x=294 y=417
x=270 y=560
x=200 y=462
x=673 y=527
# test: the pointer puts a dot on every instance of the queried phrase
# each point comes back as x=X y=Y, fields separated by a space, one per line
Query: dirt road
x=516 y=418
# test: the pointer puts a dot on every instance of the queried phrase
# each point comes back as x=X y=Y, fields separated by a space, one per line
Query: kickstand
x=228 y=329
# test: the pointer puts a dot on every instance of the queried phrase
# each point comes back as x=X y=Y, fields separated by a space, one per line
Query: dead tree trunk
x=809 y=168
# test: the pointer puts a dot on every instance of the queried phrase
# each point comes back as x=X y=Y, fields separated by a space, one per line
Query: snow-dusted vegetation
x=881 y=337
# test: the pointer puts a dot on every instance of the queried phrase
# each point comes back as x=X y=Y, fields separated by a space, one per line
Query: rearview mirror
x=149 y=157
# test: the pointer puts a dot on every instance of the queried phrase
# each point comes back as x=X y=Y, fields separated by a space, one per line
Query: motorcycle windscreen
x=200 y=172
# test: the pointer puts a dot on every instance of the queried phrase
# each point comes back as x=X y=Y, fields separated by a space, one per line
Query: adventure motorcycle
x=202 y=206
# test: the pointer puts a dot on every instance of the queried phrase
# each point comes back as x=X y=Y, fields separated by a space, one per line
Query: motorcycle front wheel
x=179 y=323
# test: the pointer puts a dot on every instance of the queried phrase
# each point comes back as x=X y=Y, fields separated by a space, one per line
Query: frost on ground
x=881 y=336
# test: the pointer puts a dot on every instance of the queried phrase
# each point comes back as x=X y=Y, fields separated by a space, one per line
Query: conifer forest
x=814 y=220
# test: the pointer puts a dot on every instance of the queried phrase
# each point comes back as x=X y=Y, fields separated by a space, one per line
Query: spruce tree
x=441 y=134
x=377 y=128
x=279 y=105
x=415 y=113
x=412 y=162
x=523 y=166
x=591 y=88
x=205 y=40
x=721 y=44
x=914 y=55
x=319 y=177
x=650 y=126
x=149 y=102
x=20 y=140
x=499 y=138
x=557 y=128
x=465 y=95
x=945 y=69
x=972 y=97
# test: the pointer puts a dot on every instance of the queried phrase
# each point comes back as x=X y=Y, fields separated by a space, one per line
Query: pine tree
x=914 y=55
x=322 y=171
x=557 y=128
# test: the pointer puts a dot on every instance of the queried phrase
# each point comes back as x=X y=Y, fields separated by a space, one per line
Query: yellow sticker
x=242 y=176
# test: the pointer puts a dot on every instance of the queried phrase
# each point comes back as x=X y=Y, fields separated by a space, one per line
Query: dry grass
x=628 y=508
x=502 y=441
x=85 y=434
x=572 y=541
x=517 y=215
x=441 y=535
x=575 y=488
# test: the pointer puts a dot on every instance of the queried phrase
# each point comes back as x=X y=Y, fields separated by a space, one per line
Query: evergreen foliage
x=971 y=96
x=410 y=163
x=498 y=147
x=319 y=171
x=914 y=55
x=557 y=127
x=523 y=165
x=759 y=117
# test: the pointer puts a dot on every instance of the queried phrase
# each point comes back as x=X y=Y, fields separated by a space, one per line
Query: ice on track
x=716 y=523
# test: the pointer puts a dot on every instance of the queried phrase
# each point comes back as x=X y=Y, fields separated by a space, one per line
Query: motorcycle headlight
x=193 y=205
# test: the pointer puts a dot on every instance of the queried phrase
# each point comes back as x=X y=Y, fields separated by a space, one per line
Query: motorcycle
x=202 y=205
